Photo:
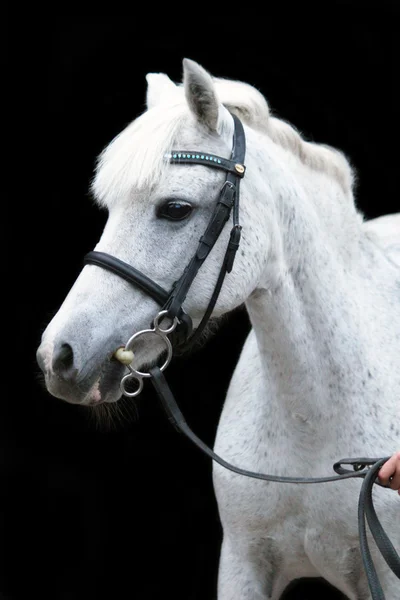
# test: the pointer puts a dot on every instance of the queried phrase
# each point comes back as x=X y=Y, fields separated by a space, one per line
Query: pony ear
x=159 y=85
x=200 y=94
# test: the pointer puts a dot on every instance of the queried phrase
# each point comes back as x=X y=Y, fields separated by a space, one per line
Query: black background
x=128 y=511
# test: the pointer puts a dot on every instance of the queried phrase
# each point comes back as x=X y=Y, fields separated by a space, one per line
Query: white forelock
x=135 y=158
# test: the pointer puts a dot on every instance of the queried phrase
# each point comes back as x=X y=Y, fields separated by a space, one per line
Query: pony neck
x=304 y=312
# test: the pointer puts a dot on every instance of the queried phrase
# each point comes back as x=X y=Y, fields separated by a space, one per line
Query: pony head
x=157 y=212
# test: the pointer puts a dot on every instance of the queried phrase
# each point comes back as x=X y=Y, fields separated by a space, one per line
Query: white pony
x=319 y=374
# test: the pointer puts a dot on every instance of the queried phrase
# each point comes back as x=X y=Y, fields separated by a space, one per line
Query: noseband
x=181 y=328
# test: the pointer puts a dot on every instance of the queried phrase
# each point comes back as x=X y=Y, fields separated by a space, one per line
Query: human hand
x=389 y=473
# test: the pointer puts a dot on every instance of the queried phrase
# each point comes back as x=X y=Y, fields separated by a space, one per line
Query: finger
x=394 y=481
x=389 y=468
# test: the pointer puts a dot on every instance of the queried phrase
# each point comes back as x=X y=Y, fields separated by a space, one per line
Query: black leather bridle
x=228 y=202
x=172 y=307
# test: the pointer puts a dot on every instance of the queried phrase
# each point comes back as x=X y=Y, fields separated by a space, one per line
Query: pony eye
x=174 y=210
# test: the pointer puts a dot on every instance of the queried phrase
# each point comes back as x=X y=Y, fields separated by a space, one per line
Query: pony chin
x=105 y=389
x=94 y=397
x=101 y=392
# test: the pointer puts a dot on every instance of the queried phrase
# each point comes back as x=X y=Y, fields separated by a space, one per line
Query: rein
x=182 y=336
x=364 y=468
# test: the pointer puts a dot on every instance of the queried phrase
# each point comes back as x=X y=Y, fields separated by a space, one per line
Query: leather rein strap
x=172 y=302
x=365 y=468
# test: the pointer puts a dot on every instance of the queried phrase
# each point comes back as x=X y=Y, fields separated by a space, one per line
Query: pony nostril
x=63 y=362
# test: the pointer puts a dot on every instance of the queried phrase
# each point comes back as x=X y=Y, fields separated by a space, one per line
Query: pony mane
x=252 y=108
x=135 y=157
